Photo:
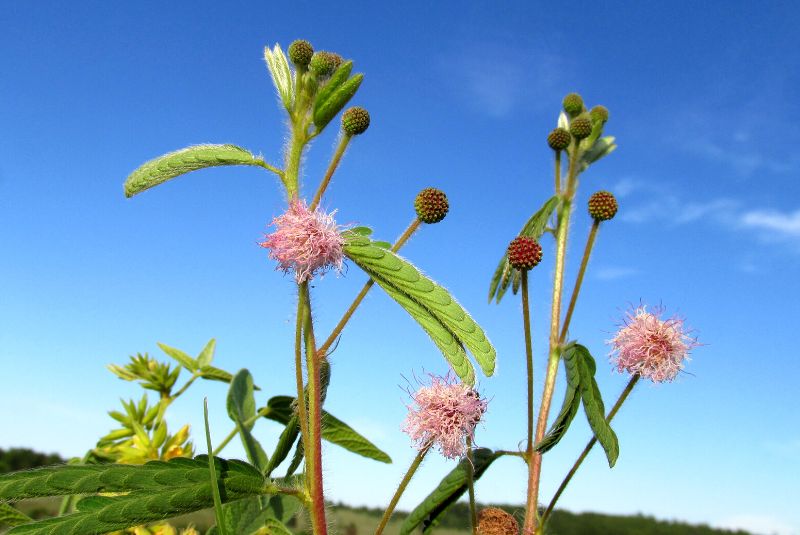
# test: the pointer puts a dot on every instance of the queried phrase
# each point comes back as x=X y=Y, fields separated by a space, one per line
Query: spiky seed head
x=599 y=114
x=524 y=253
x=355 y=121
x=494 y=521
x=581 y=126
x=323 y=63
x=431 y=205
x=573 y=104
x=602 y=205
x=559 y=139
x=301 y=52
x=337 y=60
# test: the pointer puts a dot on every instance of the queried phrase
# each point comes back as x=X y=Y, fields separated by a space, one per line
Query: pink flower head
x=651 y=347
x=445 y=414
x=305 y=241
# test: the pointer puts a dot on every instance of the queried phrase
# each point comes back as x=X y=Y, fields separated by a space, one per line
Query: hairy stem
x=314 y=442
x=526 y=323
x=558 y=172
x=622 y=397
x=564 y=215
x=471 y=487
x=363 y=293
x=579 y=280
x=344 y=140
x=302 y=413
x=400 y=489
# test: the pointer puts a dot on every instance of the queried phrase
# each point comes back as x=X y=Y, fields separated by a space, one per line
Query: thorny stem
x=581 y=271
x=622 y=397
x=400 y=489
x=471 y=486
x=337 y=157
x=314 y=442
x=564 y=215
x=363 y=293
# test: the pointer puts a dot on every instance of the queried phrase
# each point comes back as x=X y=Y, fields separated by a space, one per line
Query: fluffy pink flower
x=651 y=347
x=444 y=414
x=305 y=241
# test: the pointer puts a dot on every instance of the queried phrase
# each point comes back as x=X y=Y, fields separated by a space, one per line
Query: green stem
x=581 y=271
x=558 y=172
x=314 y=450
x=622 y=397
x=302 y=414
x=213 y=476
x=269 y=167
x=337 y=157
x=400 y=489
x=363 y=293
x=184 y=387
x=526 y=324
x=564 y=215
x=471 y=486
x=235 y=431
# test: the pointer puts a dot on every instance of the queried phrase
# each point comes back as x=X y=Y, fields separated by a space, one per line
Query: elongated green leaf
x=569 y=407
x=183 y=359
x=593 y=404
x=336 y=101
x=333 y=429
x=389 y=269
x=600 y=148
x=154 y=491
x=241 y=405
x=12 y=517
x=281 y=75
x=215 y=374
x=449 y=490
x=207 y=354
x=533 y=228
x=339 y=77
x=168 y=166
x=276 y=527
x=284 y=446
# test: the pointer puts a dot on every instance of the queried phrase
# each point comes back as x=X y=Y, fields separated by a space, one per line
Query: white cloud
x=784 y=224
x=614 y=273
x=760 y=524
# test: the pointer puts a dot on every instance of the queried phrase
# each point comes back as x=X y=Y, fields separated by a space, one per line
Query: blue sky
x=704 y=106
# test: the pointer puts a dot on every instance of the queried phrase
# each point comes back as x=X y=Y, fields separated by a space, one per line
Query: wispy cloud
x=614 y=273
x=778 y=223
x=762 y=524
x=495 y=78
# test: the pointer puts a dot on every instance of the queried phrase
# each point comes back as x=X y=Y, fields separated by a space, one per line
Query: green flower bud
x=581 y=126
x=431 y=205
x=602 y=206
x=301 y=52
x=355 y=121
x=573 y=104
x=559 y=139
x=323 y=63
x=599 y=114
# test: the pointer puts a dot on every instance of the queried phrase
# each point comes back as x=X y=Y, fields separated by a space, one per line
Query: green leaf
x=215 y=374
x=362 y=231
x=449 y=490
x=284 y=446
x=276 y=527
x=333 y=429
x=600 y=148
x=207 y=354
x=218 y=513
x=335 y=82
x=533 y=228
x=153 y=491
x=173 y=164
x=426 y=301
x=283 y=507
x=12 y=517
x=593 y=404
x=569 y=407
x=241 y=405
x=338 y=99
x=281 y=75
x=183 y=359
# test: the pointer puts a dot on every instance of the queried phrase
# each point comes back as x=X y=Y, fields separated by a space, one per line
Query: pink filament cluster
x=444 y=414
x=305 y=241
x=651 y=347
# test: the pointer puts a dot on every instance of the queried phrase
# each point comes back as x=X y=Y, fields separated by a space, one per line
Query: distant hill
x=23 y=458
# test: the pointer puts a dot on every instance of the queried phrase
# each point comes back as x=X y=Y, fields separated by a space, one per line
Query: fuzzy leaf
x=593 y=404
x=533 y=228
x=449 y=490
x=215 y=374
x=183 y=359
x=563 y=122
x=336 y=101
x=186 y=160
x=207 y=354
x=400 y=278
x=600 y=148
x=336 y=80
x=333 y=430
x=569 y=407
x=278 y=68
x=241 y=405
x=10 y=516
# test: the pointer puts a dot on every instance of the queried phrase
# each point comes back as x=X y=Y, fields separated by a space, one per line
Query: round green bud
x=323 y=63
x=559 y=139
x=431 y=205
x=301 y=52
x=599 y=114
x=524 y=253
x=581 y=126
x=355 y=121
x=573 y=104
x=602 y=206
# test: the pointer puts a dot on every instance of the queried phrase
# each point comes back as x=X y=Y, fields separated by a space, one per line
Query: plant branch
x=344 y=140
x=471 y=485
x=400 y=489
x=581 y=271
